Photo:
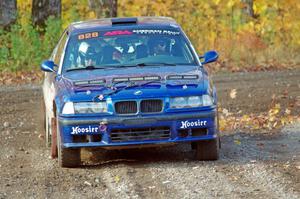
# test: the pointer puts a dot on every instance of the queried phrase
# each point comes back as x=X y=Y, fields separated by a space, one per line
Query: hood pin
x=101 y=97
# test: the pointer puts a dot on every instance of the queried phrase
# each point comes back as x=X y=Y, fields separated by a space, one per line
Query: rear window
x=118 y=48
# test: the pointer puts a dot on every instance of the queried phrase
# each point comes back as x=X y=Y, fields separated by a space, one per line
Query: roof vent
x=120 y=21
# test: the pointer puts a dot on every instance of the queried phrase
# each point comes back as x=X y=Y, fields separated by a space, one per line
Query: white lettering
x=164 y=32
x=74 y=130
x=77 y=130
x=187 y=124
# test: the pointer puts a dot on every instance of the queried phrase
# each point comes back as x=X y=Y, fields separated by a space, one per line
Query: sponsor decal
x=102 y=126
x=197 y=123
x=81 y=130
x=118 y=32
x=159 y=32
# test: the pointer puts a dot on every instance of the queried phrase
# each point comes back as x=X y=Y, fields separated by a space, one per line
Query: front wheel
x=54 y=138
x=208 y=149
x=67 y=157
x=48 y=129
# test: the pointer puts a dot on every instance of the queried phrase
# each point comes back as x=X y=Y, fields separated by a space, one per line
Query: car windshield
x=127 y=48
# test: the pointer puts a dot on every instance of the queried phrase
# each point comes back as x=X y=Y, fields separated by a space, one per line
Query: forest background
x=249 y=35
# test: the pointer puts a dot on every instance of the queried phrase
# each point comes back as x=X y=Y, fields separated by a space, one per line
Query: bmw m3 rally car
x=128 y=82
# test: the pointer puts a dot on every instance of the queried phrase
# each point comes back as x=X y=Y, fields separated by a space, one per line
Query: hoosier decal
x=78 y=130
x=197 y=123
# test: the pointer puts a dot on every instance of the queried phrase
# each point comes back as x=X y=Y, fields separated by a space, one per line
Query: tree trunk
x=42 y=9
x=104 y=8
x=8 y=12
x=248 y=9
x=113 y=8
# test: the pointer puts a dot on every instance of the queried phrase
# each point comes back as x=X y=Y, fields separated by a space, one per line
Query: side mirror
x=209 y=57
x=48 y=66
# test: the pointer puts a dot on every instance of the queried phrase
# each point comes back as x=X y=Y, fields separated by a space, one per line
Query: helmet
x=160 y=46
x=160 y=42
x=87 y=51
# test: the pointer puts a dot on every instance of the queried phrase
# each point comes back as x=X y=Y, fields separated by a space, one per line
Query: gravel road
x=257 y=164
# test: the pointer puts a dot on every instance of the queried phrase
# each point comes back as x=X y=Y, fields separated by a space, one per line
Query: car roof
x=115 y=23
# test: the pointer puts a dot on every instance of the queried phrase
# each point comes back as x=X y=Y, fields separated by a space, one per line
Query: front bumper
x=116 y=131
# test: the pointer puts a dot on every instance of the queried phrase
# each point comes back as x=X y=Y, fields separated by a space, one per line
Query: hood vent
x=89 y=82
x=126 y=79
x=178 y=77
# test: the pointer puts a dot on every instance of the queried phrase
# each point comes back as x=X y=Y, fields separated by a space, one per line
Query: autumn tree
x=104 y=8
x=8 y=12
x=42 y=9
x=248 y=7
x=244 y=32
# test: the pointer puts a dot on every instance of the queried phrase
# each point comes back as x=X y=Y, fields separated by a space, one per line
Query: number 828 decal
x=88 y=35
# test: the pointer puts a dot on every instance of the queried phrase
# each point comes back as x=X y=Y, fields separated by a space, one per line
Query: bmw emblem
x=138 y=92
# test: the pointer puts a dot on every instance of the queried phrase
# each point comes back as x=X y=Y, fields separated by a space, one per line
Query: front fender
x=49 y=95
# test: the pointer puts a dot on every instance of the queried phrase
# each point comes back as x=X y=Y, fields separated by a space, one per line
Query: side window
x=60 y=48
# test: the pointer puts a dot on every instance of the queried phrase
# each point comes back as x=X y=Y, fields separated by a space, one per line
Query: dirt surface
x=252 y=164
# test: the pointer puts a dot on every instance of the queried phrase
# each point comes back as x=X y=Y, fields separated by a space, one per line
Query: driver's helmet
x=87 y=54
x=159 y=46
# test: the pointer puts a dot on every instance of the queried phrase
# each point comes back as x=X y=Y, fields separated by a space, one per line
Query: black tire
x=47 y=132
x=67 y=157
x=207 y=150
x=54 y=150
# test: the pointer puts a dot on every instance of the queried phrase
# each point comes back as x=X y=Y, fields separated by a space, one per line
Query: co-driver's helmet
x=158 y=45
x=87 y=52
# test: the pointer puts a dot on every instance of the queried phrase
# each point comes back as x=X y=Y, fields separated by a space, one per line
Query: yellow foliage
x=274 y=118
x=213 y=24
x=24 y=10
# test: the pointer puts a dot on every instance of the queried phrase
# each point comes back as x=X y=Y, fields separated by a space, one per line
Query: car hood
x=109 y=74
x=166 y=87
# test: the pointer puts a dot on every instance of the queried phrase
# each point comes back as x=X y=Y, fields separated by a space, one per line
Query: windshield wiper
x=162 y=63
x=91 y=67
x=130 y=85
x=148 y=64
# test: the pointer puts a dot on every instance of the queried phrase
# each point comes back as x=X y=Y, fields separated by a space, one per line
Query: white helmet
x=86 y=51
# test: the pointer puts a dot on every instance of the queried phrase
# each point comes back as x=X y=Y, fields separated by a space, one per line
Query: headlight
x=207 y=100
x=194 y=101
x=178 y=102
x=90 y=107
x=191 y=101
x=84 y=107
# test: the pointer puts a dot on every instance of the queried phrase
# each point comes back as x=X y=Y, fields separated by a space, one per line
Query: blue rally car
x=128 y=82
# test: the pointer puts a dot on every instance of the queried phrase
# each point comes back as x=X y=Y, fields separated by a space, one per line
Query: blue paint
x=72 y=86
